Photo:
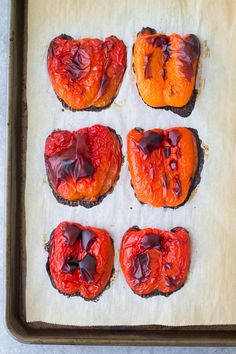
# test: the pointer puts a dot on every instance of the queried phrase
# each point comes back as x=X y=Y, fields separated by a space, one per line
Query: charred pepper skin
x=80 y=260
x=155 y=262
x=165 y=165
x=165 y=68
x=86 y=74
x=83 y=166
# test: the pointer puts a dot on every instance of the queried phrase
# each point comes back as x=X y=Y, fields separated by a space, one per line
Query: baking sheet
x=209 y=294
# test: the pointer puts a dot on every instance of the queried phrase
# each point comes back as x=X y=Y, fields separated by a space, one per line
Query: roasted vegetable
x=165 y=69
x=83 y=166
x=80 y=260
x=155 y=262
x=165 y=165
x=86 y=74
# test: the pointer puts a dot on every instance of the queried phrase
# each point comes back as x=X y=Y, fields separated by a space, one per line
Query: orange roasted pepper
x=165 y=165
x=165 y=67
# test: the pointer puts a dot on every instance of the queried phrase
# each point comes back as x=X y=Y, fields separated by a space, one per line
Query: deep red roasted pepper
x=86 y=73
x=155 y=262
x=80 y=260
x=165 y=165
x=83 y=166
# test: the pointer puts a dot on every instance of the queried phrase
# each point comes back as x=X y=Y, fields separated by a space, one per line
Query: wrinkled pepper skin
x=155 y=262
x=80 y=260
x=166 y=69
x=165 y=165
x=84 y=165
x=86 y=74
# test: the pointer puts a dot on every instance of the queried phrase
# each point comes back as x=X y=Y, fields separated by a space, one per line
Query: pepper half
x=155 y=262
x=80 y=260
x=83 y=166
x=166 y=69
x=165 y=165
x=86 y=74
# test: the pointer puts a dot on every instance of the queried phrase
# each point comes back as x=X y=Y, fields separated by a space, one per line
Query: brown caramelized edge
x=89 y=109
x=184 y=111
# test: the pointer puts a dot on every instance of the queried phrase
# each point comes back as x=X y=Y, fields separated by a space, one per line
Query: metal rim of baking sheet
x=15 y=260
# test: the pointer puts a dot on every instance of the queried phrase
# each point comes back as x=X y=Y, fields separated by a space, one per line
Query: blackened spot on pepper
x=66 y=169
x=188 y=54
x=168 y=265
x=87 y=268
x=164 y=73
x=79 y=65
x=70 y=264
x=133 y=52
x=50 y=53
x=174 y=137
x=177 y=187
x=160 y=41
x=71 y=234
x=53 y=45
x=140 y=130
x=140 y=267
x=104 y=85
x=147 y=68
x=82 y=168
x=176 y=229
x=165 y=181
x=109 y=44
x=88 y=237
x=167 y=151
x=47 y=246
x=195 y=44
x=66 y=37
x=178 y=153
x=74 y=162
x=151 y=172
x=134 y=227
x=173 y=165
x=150 y=141
x=151 y=241
x=166 y=52
x=148 y=30
x=173 y=282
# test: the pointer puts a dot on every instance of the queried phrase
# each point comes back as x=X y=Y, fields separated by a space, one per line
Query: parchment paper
x=209 y=296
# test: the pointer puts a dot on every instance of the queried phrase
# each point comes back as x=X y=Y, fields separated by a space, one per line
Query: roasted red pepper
x=165 y=165
x=155 y=262
x=86 y=74
x=83 y=166
x=166 y=69
x=80 y=260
